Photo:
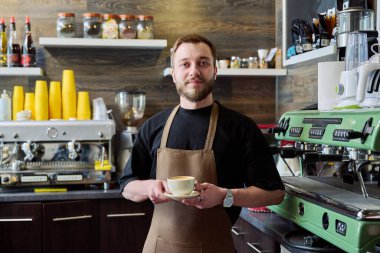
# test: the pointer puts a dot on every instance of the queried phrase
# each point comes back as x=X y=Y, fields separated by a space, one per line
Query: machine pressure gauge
x=52 y=132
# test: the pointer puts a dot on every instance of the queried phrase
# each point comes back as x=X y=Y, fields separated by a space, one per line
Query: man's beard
x=195 y=94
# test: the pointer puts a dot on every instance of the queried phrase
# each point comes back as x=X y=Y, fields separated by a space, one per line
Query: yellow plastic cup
x=18 y=101
x=84 y=109
x=29 y=104
x=41 y=101
x=55 y=100
x=69 y=95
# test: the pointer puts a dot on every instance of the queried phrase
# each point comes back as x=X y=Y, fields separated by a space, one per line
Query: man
x=224 y=150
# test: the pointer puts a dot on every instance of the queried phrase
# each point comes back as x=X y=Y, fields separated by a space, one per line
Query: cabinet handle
x=237 y=232
x=16 y=220
x=73 y=218
x=252 y=246
x=116 y=215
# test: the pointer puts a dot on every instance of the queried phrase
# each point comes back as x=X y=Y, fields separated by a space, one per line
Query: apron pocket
x=166 y=246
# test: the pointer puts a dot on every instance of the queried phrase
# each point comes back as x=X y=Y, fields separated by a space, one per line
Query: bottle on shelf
x=13 y=48
x=5 y=106
x=3 y=44
x=28 y=57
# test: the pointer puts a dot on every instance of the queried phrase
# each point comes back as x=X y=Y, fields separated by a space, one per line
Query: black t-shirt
x=242 y=155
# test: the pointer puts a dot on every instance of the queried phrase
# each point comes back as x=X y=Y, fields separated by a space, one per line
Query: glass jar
x=244 y=63
x=110 y=26
x=127 y=27
x=252 y=63
x=92 y=25
x=66 y=25
x=235 y=62
x=144 y=27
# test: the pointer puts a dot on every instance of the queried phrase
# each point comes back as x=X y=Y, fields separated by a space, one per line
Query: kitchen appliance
x=353 y=19
x=56 y=153
x=337 y=196
x=356 y=54
x=131 y=107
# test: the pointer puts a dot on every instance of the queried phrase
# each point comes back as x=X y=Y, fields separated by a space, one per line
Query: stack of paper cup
x=18 y=101
x=41 y=103
x=69 y=95
x=29 y=104
x=55 y=100
x=84 y=110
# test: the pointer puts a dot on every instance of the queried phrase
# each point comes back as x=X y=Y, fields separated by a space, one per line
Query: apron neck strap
x=211 y=127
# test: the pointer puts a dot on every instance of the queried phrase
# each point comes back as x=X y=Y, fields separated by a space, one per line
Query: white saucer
x=180 y=197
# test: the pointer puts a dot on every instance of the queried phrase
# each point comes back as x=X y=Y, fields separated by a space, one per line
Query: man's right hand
x=156 y=189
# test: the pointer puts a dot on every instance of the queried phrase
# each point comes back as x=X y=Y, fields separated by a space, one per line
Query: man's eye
x=204 y=63
x=184 y=65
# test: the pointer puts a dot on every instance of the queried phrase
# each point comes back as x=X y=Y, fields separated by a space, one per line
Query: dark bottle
x=28 y=57
x=13 y=48
x=3 y=44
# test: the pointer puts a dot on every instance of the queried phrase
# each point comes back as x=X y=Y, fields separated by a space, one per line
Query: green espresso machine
x=337 y=193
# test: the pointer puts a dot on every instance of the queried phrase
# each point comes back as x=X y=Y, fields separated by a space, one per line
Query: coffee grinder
x=131 y=107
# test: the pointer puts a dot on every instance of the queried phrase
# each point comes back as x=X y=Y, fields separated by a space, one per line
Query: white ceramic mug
x=181 y=185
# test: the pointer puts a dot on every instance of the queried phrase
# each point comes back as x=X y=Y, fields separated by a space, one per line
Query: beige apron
x=177 y=228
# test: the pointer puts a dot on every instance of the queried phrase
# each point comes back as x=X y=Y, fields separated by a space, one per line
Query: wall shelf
x=20 y=71
x=325 y=51
x=102 y=43
x=243 y=72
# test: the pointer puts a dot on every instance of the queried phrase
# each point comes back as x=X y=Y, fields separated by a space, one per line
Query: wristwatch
x=229 y=199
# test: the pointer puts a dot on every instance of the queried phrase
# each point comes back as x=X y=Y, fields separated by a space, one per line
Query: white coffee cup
x=181 y=185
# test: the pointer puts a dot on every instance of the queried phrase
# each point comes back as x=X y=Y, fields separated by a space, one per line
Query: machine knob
x=15 y=135
x=5 y=179
x=100 y=134
x=354 y=135
x=276 y=130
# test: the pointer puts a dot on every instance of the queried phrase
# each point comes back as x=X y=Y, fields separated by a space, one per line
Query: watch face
x=227 y=202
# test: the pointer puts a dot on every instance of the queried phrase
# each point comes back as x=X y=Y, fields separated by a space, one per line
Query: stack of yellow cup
x=29 y=104
x=84 y=110
x=41 y=104
x=69 y=96
x=55 y=100
x=18 y=101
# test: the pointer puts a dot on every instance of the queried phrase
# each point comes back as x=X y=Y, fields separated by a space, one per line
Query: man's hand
x=209 y=196
x=155 y=191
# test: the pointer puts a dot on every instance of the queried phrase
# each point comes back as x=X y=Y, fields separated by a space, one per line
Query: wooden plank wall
x=236 y=28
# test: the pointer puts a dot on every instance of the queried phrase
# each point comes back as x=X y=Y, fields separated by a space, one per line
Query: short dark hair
x=193 y=38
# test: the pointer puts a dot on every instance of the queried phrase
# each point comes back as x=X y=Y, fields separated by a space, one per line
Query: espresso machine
x=337 y=195
x=130 y=106
x=70 y=153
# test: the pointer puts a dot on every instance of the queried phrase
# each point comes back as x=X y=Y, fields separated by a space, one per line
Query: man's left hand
x=209 y=196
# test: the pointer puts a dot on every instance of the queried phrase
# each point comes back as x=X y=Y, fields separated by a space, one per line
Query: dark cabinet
x=80 y=226
x=70 y=226
x=123 y=225
x=21 y=227
x=248 y=239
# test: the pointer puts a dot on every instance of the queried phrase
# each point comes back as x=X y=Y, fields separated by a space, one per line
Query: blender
x=356 y=55
x=130 y=106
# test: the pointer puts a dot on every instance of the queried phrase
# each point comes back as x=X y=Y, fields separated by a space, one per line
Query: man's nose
x=194 y=70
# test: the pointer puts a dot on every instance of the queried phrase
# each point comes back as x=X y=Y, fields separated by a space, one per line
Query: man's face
x=193 y=71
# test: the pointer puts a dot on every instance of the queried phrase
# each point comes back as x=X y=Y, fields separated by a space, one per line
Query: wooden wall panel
x=235 y=27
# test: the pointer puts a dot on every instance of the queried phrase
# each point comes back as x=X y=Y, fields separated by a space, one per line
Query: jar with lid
x=252 y=63
x=244 y=63
x=92 y=25
x=127 y=27
x=66 y=25
x=235 y=62
x=144 y=27
x=110 y=26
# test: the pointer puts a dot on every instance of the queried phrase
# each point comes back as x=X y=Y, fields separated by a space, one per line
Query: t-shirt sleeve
x=140 y=162
x=261 y=170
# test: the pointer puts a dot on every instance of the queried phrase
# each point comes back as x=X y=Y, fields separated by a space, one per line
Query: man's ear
x=173 y=76
x=215 y=72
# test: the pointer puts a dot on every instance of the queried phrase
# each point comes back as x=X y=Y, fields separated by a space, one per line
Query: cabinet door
x=71 y=226
x=21 y=227
x=123 y=225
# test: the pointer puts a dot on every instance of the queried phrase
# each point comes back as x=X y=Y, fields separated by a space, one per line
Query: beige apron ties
x=177 y=228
